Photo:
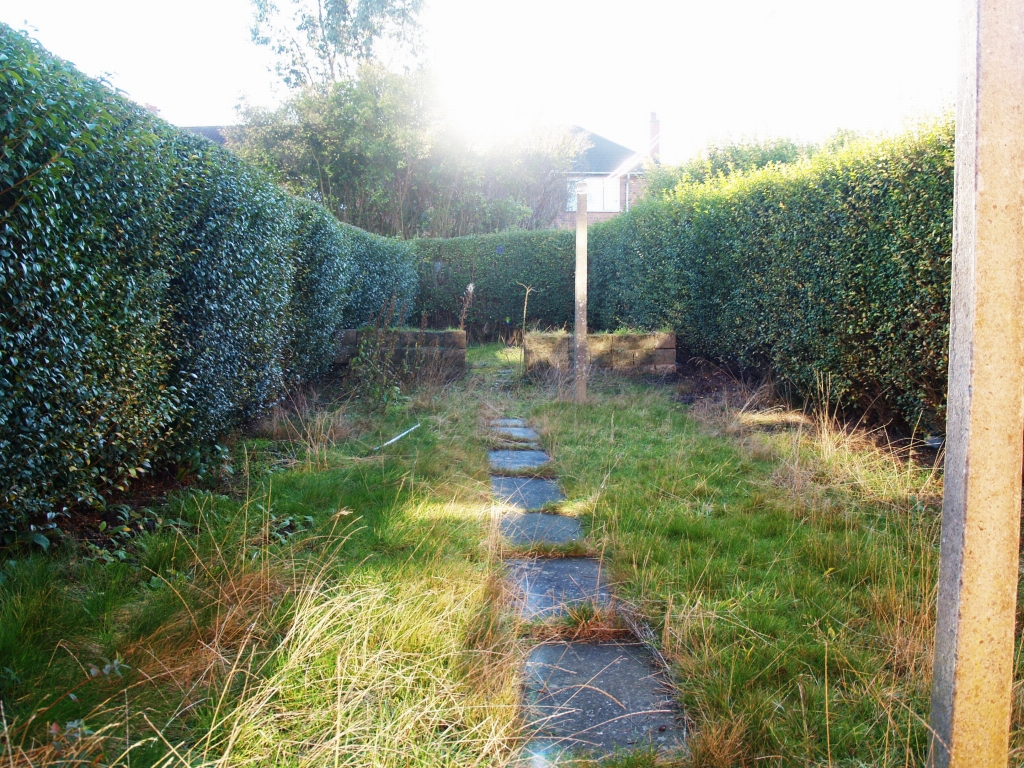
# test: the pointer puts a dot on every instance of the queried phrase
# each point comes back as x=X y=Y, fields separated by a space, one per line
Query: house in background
x=614 y=177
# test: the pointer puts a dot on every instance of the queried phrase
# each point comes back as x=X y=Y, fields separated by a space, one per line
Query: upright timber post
x=973 y=670
x=580 y=361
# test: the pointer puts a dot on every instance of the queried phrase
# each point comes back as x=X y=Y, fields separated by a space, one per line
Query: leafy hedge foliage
x=496 y=265
x=156 y=291
x=833 y=272
x=324 y=271
x=385 y=269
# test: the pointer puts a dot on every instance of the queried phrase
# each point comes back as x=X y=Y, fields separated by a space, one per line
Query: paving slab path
x=529 y=494
x=597 y=698
x=517 y=433
x=550 y=587
x=591 y=699
x=503 y=460
x=500 y=423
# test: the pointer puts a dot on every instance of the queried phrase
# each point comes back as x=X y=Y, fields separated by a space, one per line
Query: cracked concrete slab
x=547 y=587
x=597 y=699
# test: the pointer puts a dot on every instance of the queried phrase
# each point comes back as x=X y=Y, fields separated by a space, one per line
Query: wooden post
x=973 y=670
x=581 y=292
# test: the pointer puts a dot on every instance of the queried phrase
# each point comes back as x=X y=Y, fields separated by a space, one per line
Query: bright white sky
x=713 y=70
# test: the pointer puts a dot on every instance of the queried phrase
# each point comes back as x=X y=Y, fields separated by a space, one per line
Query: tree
x=321 y=42
x=374 y=151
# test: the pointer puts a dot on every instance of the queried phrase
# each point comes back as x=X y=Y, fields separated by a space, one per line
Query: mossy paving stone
x=511 y=461
x=548 y=587
x=526 y=493
x=597 y=699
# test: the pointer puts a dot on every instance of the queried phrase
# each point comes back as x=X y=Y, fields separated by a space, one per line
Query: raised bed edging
x=624 y=352
x=435 y=351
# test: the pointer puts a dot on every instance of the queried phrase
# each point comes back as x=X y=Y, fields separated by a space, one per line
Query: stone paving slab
x=595 y=699
x=525 y=493
x=517 y=433
x=531 y=528
x=547 y=587
x=515 y=460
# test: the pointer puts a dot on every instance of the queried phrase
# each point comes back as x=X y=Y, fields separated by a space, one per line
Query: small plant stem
x=526 y=300
x=828 y=732
x=665 y=632
x=7 y=736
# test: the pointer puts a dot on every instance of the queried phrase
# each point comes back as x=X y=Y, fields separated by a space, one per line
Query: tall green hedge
x=498 y=266
x=156 y=291
x=384 y=271
x=833 y=273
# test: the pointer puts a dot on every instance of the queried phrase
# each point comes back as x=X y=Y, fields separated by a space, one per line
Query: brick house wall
x=567 y=219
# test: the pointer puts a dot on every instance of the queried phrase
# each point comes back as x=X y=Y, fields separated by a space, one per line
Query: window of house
x=602 y=194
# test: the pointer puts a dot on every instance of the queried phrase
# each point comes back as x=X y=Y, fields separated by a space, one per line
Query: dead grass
x=720 y=743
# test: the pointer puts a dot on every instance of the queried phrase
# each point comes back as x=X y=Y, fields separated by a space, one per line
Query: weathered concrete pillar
x=581 y=292
x=973 y=671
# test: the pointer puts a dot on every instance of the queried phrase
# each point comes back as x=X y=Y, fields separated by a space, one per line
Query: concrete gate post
x=973 y=670
x=580 y=360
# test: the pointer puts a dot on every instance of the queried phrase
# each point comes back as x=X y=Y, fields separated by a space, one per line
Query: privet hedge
x=833 y=273
x=498 y=266
x=156 y=292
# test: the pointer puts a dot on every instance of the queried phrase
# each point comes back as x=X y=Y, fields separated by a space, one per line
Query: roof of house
x=603 y=155
x=214 y=133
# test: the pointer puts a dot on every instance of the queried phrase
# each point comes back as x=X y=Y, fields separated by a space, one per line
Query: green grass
x=340 y=601
x=494 y=355
x=797 y=617
x=330 y=606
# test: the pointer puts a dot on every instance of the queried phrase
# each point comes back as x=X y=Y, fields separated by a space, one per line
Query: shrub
x=230 y=288
x=385 y=273
x=157 y=291
x=324 y=269
x=495 y=265
x=832 y=272
x=87 y=391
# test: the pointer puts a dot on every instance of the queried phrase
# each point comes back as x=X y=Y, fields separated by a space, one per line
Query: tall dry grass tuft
x=229 y=608
x=362 y=678
x=310 y=421
x=720 y=743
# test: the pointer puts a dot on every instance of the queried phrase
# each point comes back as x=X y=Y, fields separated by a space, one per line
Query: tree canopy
x=374 y=150
x=320 y=42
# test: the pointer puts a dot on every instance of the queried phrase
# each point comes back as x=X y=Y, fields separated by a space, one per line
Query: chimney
x=655 y=138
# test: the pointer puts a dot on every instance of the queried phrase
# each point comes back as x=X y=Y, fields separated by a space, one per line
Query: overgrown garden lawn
x=787 y=566
x=329 y=605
